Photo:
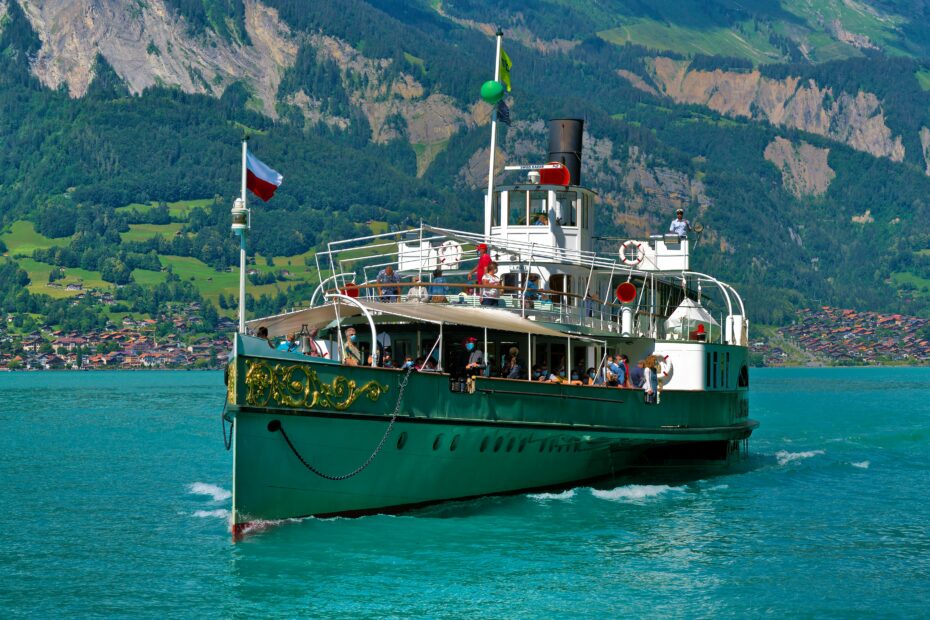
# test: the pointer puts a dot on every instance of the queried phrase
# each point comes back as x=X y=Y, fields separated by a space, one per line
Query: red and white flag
x=260 y=178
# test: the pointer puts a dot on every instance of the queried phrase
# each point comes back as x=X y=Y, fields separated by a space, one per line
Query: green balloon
x=492 y=91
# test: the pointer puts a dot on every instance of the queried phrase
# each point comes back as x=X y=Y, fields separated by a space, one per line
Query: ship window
x=484 y=444
x=497 y=444
x=522 y=445
x=707 y=370
x=454 y=444
x=517 y=208
x=496 y=210
x=510 y=444
x=437 y=442
x=726 y=370
x=715 y=369
x=401 y=441
x=565 y=209
x=542 y=445
x=538 y=208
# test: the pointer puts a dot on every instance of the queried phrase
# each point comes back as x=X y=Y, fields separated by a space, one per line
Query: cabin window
x=496 y=210
x=539 y=209
x=707 y=370
x=516 y=209
x=566 y=208
x=715 y=370
x=726 y=370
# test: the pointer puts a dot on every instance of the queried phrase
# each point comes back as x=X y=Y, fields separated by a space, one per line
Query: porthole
x=437 y=442
x=551 y=447
x=510 y=444
x=454 y=444
x=401 y=441
x=497 y=444
x=542 y=445
x=484 y=444
x=522 y=445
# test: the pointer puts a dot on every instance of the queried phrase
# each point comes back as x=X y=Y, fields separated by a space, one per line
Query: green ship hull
x=300 y=422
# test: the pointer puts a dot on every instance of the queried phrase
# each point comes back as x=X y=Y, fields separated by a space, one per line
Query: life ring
x=625 y=256
x=666 y=369
x=450 y=254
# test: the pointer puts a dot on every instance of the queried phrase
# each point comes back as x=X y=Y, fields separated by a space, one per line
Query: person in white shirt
x=680 y=226
x=491 y=293
x=649 y=383
x=417 y=292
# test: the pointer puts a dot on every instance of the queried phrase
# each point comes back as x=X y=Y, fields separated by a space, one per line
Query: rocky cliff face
x=857 y=120
x=146 y=44
x=804 y=168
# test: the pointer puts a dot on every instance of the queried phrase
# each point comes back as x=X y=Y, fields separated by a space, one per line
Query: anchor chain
x=223 y=420
x=275 y=425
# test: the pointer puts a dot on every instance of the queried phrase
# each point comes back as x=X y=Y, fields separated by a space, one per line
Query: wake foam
x=220 y=513
x=861 y=464
x=634 y=492
x=218 y=494
x=784 y=457
x=546 y=496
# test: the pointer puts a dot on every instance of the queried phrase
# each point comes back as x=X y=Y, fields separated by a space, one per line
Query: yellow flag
x=505 y=69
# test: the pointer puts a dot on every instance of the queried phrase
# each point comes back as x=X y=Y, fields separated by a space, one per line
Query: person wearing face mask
x=589 y=377
x=475 y=364
x=543 y=373
x=351 y=355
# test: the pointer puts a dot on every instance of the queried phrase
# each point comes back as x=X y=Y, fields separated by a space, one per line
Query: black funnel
x=565 y=144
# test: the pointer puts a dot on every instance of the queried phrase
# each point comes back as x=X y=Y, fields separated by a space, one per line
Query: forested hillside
x=797 y=132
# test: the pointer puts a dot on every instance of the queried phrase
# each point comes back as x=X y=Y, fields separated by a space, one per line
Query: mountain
x=797 y=132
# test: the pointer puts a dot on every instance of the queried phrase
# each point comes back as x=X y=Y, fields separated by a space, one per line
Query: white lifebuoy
x=450 y=254
x=637 y=247
x=665 y=370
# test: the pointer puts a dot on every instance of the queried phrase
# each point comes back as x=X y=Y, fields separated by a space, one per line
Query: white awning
x=687 y=316
x=447 y=314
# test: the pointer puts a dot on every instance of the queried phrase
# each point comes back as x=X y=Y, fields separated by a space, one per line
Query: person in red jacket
x=484 y=259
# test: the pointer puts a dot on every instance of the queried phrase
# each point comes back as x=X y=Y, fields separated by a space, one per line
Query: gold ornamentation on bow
x=297 y=385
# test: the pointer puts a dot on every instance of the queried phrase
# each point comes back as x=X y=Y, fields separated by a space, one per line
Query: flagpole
x=489 y=202
x=242 y=235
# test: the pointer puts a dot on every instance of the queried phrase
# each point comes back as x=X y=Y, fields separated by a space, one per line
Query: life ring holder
x=665 y=370
x=450 y=254
x=637 y=247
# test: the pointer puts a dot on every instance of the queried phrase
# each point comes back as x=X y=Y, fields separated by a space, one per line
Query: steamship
x=313 y=433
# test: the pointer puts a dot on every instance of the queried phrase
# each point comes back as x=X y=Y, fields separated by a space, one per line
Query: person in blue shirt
x=532 y=291
x=387 y=277
x=680 y=226
x=614 y=370
x=290 y=345
x=437 y=289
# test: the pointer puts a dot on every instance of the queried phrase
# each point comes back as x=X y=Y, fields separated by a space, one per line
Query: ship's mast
x=488 y=201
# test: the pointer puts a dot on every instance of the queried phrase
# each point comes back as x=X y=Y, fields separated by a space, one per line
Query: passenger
x=388 y=291
x=315 y=350
x=576 y=379
x=437 y=289
x=351 y=355
x=484 y=259
x=417 y=292
x=513 y=369
x=476 y=363
x=408 y=363
x=590 y=377
x=621 y=370
x=544 y=372
x=290 y=345
x=612 y=373
x=625 y=365
x=263 y=333
x=680 y=226
x=532 y=291
x=636 y=376
x=537 y=372
x=491 y=293
x=649 y=383
x=541 y=220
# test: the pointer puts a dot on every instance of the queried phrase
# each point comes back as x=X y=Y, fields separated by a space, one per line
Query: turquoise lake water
x=114 y=499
